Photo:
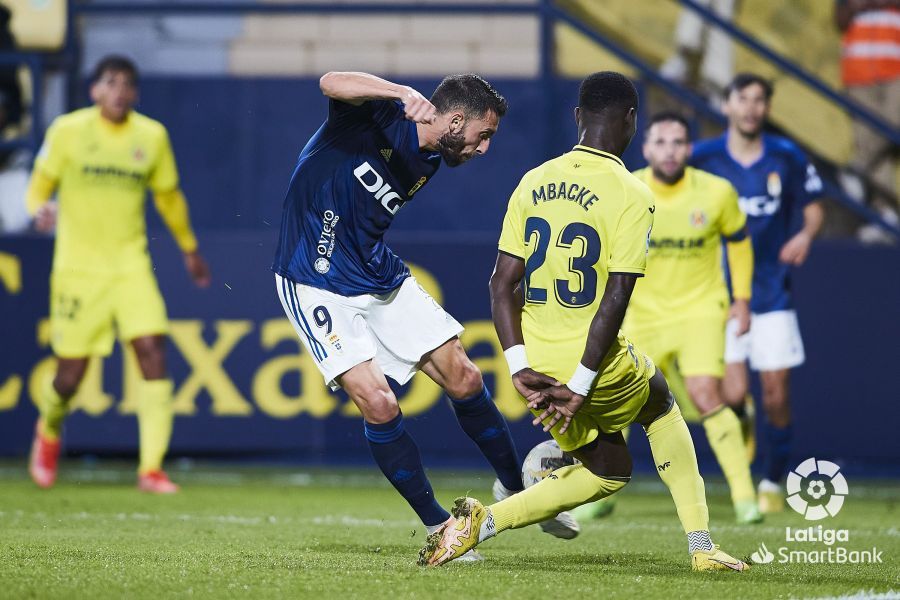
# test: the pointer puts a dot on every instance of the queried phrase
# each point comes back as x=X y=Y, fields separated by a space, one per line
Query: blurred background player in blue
x=778 y=190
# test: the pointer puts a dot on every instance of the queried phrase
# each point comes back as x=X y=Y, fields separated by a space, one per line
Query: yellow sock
x=54 y=409
x=676 y=463
x=563 y=489
x=723 y=429
x=155 y=414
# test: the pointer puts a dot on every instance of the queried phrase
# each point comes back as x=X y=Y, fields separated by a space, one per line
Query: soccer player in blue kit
x=778 y=189
x=353 y=302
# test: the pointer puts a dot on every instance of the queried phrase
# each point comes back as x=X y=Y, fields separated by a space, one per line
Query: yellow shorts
x=85 y=308
x=696 y=344
x=615 y=406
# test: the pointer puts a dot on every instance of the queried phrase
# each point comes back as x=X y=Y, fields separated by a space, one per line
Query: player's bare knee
x=466 y=382
x=66 y=382
x=151 y=356
x=735 y=385
x=614 y=465
x=607 y=456
x=152 y=363
x=69 y=374
x=659 y=401
x=705 y=395
x=378 y=405
x=774 y=391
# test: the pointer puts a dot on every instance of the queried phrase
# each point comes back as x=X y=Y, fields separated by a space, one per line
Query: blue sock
x=480 y=419
x=778 y=446
x=398 y=457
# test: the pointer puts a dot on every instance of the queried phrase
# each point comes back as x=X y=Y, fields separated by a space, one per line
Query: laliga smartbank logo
x=816 y=489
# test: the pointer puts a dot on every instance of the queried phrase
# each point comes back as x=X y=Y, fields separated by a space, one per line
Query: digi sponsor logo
x=759 y=206
x=374 y=182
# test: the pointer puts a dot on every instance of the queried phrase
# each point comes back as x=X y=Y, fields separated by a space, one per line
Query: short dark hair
x=469 y=93
x=743 y=80
x=607 y=89
x=116 y=64
x=665 y=116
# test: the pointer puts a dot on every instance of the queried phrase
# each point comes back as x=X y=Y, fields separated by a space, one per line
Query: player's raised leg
x=155 y=414
x=53 y=406
x=601 y=508
x=605 y=469
x=475 y=410
x=392 y=447
x=479 y=417
x=723 y=430
x=347 y=361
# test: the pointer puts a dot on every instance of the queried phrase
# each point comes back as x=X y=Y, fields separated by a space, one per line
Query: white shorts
x=396 y=329
x=772 y=344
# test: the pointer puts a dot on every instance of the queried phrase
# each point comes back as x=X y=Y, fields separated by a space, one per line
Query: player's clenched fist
x=417 y=107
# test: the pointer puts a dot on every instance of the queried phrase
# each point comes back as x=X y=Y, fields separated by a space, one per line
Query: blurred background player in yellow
x=678 y=312
x=575 y=236
x=100 y=161
x=780 y=191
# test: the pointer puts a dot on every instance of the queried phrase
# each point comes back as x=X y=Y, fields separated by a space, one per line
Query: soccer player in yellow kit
x=100 y=161
x=575 y=235
x=678 y=312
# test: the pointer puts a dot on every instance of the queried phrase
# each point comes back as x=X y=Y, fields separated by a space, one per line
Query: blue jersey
x=352 y=177
x=772 y=193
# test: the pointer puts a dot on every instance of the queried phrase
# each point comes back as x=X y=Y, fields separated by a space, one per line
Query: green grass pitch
x=300 y=533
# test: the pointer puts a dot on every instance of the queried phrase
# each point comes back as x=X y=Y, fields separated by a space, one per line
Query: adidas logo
x=663 y=466
x=386 y=153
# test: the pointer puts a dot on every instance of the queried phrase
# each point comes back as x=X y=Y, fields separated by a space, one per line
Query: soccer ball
x=543 y=459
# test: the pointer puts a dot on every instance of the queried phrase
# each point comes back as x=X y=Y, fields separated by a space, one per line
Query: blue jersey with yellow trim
x=772 y=193
x=355 y=173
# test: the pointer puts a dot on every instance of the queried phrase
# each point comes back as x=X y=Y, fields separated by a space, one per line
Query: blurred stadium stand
x=236 y=84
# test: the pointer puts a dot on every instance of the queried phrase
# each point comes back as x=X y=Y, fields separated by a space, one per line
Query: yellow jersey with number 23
x=574 y=220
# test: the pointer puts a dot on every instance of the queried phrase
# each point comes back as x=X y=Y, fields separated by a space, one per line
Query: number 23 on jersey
x=580 y=244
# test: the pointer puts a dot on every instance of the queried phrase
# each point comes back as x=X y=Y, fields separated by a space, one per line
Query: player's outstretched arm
x=506 y=310
x=356 y=88
x=173 y=209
